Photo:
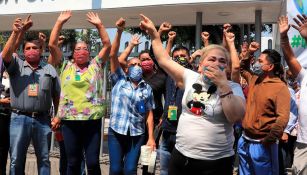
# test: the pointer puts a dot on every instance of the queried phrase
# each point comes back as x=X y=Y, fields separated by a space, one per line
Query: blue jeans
x=80 y=137
x=23 y=129
x=165 y=150
x=63 y=161
x=256 y=159
x=124 y=152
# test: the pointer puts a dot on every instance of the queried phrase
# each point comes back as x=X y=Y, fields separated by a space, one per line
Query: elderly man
x=34 y=86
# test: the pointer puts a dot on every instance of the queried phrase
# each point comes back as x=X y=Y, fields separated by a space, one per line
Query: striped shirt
x=129 y=104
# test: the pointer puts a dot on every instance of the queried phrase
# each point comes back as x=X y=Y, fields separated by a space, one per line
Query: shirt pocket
x=46 y=81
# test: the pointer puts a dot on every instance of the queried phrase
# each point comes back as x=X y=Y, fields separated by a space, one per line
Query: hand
x=165 y=27
x=17 y=25
x=226 y=27
x=205 y=36
x=283 y=26
x=230 y=38
x=135 y=40
x=55 y=123
x=244 y=50
x=147 y=25
x=172 y=35
x=253 y=47
x=27 y=24
x=120 y=24
x=93 y=18
x=61 y=40
x=196 y=54
x=6 y=101
x=216 y=75
x=152 y=144
x=301 y=25
x=64 y=16
x=42 y=37
x=284 y=137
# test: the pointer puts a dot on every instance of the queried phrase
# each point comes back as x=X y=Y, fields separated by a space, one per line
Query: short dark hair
x=275 y=58
x=180 y=47
x=30 y=37
x=144 y=51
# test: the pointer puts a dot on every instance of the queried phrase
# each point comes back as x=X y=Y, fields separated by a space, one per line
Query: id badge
x=141 y=106
x=33 y=90
x=172 y=113
x=77 y=77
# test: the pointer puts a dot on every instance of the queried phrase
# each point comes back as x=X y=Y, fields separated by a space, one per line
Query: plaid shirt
x=125 y=105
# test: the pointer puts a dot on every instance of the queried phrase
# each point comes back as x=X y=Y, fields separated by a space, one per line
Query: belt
x=30 y=114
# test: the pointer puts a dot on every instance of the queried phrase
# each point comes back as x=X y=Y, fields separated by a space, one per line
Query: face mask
x=257 y=69
x=205 y=78
x=147 y=66
x=81 y=56
x=208 y=80
x=32 y=55
x=135 y=73
x=183 y=62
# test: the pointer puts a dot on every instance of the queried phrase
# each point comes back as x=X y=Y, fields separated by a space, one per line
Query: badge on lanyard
x=141 y=106
x=77 y=76
x=33 y=90
x=172 y=113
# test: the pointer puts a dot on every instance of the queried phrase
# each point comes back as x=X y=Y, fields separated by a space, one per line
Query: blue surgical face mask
x=257 y=69
x=135 y=73
x=208 y=80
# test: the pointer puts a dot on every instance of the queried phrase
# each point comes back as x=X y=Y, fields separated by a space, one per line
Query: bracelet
x=226 y=94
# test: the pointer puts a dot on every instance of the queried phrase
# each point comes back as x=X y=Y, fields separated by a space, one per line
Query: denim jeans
x=256 y=159
x=63 y=161
x=165 y=150
x=23 y=129
x=80 y=137
x=124 y=152
x=4 y=141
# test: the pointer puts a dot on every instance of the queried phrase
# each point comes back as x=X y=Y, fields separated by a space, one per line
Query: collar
x=141 y=83
x=40 y=64
x=270 y=80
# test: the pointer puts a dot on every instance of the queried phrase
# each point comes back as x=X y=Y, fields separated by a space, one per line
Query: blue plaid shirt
x=126 y=114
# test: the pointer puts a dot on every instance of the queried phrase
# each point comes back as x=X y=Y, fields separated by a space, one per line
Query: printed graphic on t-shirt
x=200 y=101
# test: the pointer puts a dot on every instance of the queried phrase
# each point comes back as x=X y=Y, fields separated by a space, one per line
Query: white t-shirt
x=203 y=131
x=302 y=109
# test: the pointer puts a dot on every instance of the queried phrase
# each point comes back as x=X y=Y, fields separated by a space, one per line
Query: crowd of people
x=218 y=103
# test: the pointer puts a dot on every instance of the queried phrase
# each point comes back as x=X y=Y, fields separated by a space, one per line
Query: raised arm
x=120 y=24
x=205 y=38
x=246 y=61
x=42 y=40
x=135 y=40
x=235 y=62
x=170 y=42
x=55 y=51
x=289 y=56
x=164 y=27
x=173 y=69
x=106 y=44
x=26 y=25
x=226 y=28
x=9 y=47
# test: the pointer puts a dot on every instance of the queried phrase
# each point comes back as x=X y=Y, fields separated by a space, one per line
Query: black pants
x=182 y=165
x=286 y=154
x=4 y=141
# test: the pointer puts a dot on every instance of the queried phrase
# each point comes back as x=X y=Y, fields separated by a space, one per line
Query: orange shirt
x=267 y=108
